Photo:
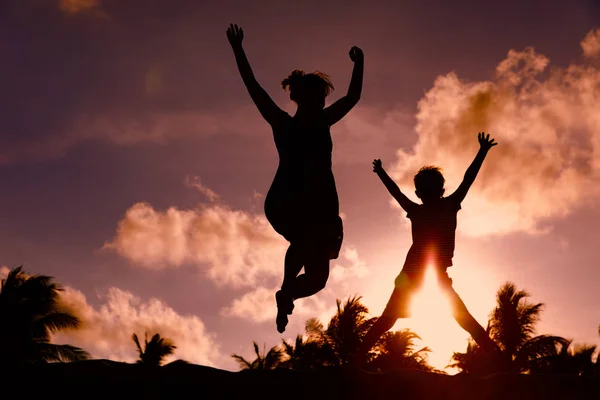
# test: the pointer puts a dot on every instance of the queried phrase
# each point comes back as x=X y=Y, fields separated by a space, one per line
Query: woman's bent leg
x=293 y=266
x=316 y=273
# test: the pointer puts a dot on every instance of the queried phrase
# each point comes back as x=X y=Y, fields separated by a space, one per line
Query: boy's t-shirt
x=433 y=234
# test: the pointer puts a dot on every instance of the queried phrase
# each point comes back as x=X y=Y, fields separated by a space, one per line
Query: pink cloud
x=194 y=182
x=123 y=129
x=591 y=44
x=106 y=330
x=369 y=131
x=548 y=125
x=348 y=266
x=234 y=247
x=259 y=305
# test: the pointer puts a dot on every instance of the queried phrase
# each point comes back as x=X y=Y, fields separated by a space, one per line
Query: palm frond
x=243 y=363
x=30 y=311
x=136 y=340
x=62 y=352
x=58 y=321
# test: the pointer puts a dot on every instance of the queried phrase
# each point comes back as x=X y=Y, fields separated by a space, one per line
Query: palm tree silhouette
x=271 y=360
x=309 y=351
x=512 y=326
x=347 y=328
x=31 y=312
x=154 y=351
x=337 y=344
x=569 y=359
x=331 y=346
x=396 y=350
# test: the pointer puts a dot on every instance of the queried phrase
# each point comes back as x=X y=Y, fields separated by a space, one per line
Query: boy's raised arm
x=340 y=108
x=266 y=106
x=406 y=203
x=485 y=144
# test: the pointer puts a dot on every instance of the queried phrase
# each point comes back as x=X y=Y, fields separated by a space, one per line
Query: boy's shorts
x=407 y=284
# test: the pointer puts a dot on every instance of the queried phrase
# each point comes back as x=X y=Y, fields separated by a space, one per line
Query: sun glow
x=432 y=320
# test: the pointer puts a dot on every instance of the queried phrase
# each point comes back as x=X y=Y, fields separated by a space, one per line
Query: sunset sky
x=133 y=164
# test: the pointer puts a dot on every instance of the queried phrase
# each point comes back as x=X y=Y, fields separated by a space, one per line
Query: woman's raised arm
x=266 y=106
x=340 y=108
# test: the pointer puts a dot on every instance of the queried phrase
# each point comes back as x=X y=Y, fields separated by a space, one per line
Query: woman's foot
x=285 y=303
x=285 y=306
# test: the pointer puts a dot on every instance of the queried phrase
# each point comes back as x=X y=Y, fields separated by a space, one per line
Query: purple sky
x=114 y=112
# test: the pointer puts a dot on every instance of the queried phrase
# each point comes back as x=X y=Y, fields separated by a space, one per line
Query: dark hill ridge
x=110 y=380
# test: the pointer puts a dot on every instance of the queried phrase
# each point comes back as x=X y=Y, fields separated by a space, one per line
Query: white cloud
x=233 y=247
x=547 y=123
x=106 y=331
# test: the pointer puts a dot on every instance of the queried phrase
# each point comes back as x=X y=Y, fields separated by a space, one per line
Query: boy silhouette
x=433 y=232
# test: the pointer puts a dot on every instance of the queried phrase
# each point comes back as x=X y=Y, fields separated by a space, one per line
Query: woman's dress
x=302 y=203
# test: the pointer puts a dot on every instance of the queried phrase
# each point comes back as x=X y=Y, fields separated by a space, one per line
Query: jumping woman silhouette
x=302 y=203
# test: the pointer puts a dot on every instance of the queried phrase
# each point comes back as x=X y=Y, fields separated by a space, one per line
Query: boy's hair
x=298 y=79
x=429 y=180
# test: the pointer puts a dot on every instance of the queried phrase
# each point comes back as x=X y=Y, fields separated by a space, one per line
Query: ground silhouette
x=182 y=381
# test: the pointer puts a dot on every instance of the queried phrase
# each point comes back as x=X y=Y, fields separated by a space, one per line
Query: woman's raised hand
x=356 y=54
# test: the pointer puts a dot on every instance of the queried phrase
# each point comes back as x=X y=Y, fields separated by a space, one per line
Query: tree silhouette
x=396 y=350
x=154 y=351
x=337 y=344
x=271 y=360
x=347 y=328
x=569 y=359
x=305 y=353
x=512 y=326
x=30 y=312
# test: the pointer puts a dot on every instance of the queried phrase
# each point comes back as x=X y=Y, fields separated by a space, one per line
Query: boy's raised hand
x=377 y=167
x=485 y=142
x=235 y=35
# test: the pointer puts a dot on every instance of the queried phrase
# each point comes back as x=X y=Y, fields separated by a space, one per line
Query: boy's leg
x=396 y=308
x=462 y=315
x=381 y=326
